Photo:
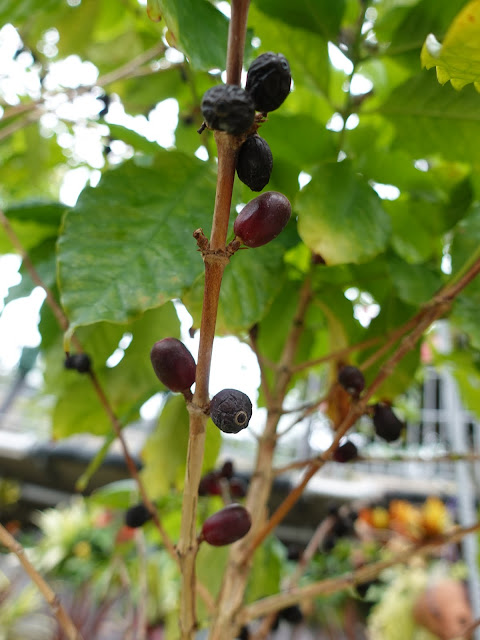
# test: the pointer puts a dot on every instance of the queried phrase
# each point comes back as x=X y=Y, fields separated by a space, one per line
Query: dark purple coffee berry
x=81 y=362
x=268 y=81
x=173 y=364
x=227 y=470
x=254 y=163
x=229 y=108
x=137 y=516
x=386 y=423
x=238 y=488
x=352 y=380
x=262 y=219
x=210 y=485
x=226 y=526
x=345 y=452
x=231 y=410
x=292 y=614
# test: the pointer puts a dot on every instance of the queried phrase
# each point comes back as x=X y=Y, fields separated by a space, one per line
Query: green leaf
x=267 y=569
x=318 y=16
x=33 y=223
x=127 y=246
x=340 y=216
x=458 y=59
x=449 y=121
x=199 y=30
x=165 y=451
x=20 y=11
x=415 y=284
x=134 y=139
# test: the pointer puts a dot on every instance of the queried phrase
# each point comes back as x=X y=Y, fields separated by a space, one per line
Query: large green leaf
x=433 y=120
x=165 y=451
x=127 y=246
x=340 y=216
x=319 y=16
x=458 y=59
x=199 y=30
x=19 y=11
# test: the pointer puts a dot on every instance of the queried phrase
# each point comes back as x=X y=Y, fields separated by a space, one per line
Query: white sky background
x=234 y=365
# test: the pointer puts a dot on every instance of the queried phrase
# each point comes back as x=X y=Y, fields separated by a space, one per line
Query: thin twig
x=363 y=574
x=47 y=592
x=335 y=355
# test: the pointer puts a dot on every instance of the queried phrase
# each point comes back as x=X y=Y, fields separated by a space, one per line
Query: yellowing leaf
x=458 y=59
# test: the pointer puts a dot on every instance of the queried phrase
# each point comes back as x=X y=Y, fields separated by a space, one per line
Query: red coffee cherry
x=226 y=526
x=173 y=364
x=262 y=219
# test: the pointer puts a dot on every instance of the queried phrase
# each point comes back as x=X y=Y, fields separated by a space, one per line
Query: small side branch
x=64 y=620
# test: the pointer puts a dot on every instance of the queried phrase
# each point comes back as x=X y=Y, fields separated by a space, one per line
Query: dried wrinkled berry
x=137 y=516
x=352 y=380
x=81 y=362
x=345 y=452
x=262 y=219
x=173 y=364
x=254 y=163
x=268 y=81
x=229 y=108
x=226 y=526
x=231 y=410
x=386 y=423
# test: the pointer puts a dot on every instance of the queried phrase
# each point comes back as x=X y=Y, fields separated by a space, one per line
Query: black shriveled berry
x=254 y=163
x=229 y=108
x=268 y=81
x=226 y=526
x=262 y=219
x=231 y=410
x=292 y=614
x=352 y=380
x=137 y=516
x=173 y=364
x=81 y=362
x=386 y=423
x=345 y=452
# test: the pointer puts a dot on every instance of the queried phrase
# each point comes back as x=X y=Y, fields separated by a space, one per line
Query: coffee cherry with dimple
x=254 y=163
x=229 y=108
x=345 y=452
x=231 y=410
x=80 y=362
x=268 y=81
x=226 y=526
x=137 y=516
x=262 y=219
x=386 y=423
x=173 y=364
x=352 y=380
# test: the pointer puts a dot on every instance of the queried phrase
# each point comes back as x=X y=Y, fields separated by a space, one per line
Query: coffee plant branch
x=215 y=259
x=52 y=599
x=363 y=574
x=396 y=457
x=439 y=304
